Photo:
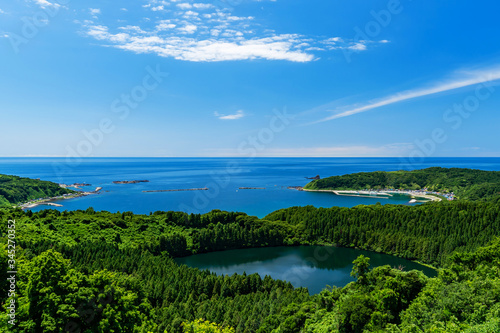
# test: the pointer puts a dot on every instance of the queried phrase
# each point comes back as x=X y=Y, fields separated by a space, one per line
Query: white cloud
x=188 y=29
x=45 y=3
x=238 y=115
x=132 y=28
x=357 y=47
x=338 y=43
x=202 y=6
x=100 y=32
x=165 y=25
x=184 y=5
x=201 y=32
x=190 y=13
x=314 y=48
x=464 y=79
x=95 y=12
x=210 y=49
x=1 y=11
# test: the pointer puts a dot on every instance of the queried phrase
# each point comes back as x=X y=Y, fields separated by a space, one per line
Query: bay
x=223 y=177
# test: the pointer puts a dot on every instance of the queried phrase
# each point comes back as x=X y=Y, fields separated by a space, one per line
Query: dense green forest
x=115 y=271
x=15 y=190
x=87 y=271
x=428 y=232
x=467 y=184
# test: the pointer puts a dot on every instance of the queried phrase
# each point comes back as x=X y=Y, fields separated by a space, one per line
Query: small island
x=130 y=181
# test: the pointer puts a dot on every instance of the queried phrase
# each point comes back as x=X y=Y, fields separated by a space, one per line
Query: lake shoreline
x=305 y=265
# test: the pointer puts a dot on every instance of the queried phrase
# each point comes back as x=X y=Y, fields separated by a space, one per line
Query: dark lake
x=313 y=267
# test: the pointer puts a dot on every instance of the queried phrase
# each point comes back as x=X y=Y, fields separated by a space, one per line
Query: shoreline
x=51 y=201
x=378 y=195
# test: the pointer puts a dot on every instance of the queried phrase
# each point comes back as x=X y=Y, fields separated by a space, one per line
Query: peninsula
x=431 y=184
x=16 y=190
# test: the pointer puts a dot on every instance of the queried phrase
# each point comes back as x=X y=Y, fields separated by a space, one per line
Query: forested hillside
x=428 y=232
x=114 y=271
x=467 y=184
x=87 y=271
x=15 y=190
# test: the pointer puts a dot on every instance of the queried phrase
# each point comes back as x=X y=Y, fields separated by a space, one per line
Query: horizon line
x=245 y=157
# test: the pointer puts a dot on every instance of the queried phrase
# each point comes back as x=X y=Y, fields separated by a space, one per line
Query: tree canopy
x=15 y=190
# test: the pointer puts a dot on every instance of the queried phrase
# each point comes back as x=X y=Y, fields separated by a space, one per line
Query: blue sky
x=249 y=78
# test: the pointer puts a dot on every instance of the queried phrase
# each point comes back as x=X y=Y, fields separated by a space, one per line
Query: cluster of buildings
x=448 y=196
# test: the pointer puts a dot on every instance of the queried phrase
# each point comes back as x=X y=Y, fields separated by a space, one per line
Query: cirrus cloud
x=460 y=80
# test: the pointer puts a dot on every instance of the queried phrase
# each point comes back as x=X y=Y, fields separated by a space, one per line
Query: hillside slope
x=15 y=190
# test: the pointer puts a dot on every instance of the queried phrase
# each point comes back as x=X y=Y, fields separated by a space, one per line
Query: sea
x=270 y=180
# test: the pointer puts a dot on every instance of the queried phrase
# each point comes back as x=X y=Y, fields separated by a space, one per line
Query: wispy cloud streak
x=465 y=80
x=238 y=115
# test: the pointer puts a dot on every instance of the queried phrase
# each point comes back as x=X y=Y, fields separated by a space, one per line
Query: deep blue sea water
x=223 y=177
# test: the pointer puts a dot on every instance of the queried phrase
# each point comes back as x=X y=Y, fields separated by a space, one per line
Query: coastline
x=378 y=195
x=50 y=201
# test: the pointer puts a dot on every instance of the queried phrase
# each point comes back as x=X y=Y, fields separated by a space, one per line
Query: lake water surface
x=313 y=267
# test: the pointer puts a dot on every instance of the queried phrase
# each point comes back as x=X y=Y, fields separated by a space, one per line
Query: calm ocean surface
x=223 y=177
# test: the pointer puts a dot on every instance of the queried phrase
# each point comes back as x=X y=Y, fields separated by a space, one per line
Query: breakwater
x=179 y=190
